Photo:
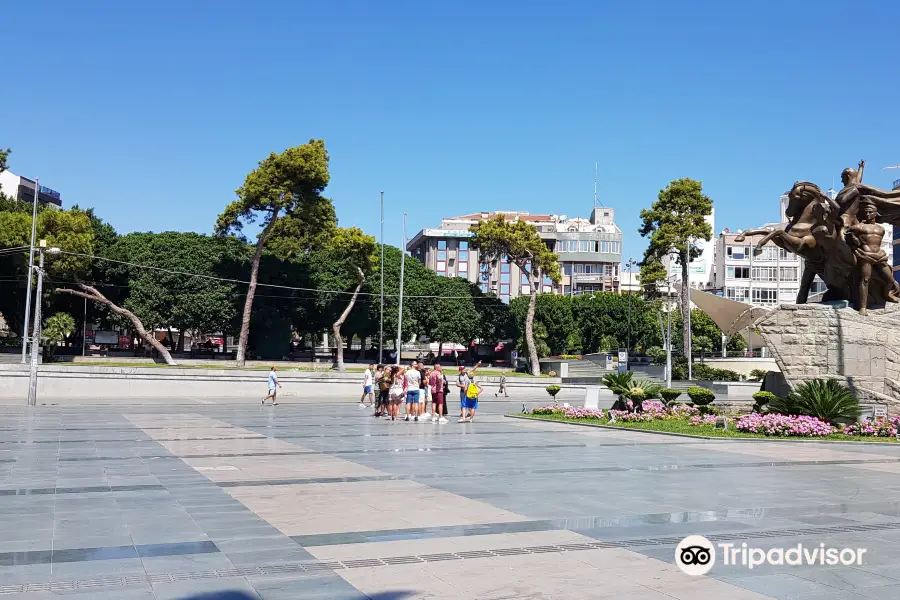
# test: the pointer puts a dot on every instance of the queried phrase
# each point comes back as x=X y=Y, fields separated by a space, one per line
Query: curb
x=705 y=437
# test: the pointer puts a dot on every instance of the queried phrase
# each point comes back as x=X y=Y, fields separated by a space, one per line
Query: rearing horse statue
x=815 y=233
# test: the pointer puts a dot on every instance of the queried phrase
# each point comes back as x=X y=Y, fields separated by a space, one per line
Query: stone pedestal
x=810 y=341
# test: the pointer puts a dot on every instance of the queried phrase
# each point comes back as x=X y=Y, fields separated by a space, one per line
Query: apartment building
x=590 y=253
x=22 y=188
x=766 y=277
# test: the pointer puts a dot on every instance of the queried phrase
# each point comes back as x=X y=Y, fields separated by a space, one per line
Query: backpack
x=446 y=385
x=384 y=383
x=472 y=391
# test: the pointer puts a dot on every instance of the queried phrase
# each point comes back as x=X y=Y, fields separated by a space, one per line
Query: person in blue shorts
x=413 y=380
x=473 y=390
x=273 y=387
x=368 y=387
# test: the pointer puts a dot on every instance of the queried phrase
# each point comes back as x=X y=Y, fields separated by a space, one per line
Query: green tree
x=518 y=242
x=64 y=229
x=554 y=313
x=607 y=314
x=452 y=315
x=342 y=266
x=161 y=295
x=290 y=183
x=56 y=330
x=674 y=223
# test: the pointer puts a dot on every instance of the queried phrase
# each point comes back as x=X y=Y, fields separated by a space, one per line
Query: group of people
x=388 y=387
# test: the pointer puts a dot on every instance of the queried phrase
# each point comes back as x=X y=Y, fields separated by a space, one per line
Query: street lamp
x=36 y=330
x=629 y=266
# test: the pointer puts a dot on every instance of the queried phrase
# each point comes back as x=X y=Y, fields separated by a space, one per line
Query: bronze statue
x=864 y=238
x=813 y=232
x=840 y=239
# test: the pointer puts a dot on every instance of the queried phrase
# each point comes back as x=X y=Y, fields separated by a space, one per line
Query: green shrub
x=618 y=383
x=703 y=372
x=758 y=374
x=708 y=409
x=669 y=395
x=657 y=354
x=553 y=390
x=701 y=396
x=762 y=399
x=570 y=357
x=828 y=400
x=649 y=389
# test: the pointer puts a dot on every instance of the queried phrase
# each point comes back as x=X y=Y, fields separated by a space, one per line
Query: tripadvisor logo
x=695 y=555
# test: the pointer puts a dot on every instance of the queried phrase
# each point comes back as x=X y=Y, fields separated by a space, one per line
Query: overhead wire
x=269 y=285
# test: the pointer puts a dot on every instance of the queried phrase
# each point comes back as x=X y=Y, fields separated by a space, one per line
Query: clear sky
x=153 y=112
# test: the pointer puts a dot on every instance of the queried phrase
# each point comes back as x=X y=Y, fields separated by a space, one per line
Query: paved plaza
x=220 y=499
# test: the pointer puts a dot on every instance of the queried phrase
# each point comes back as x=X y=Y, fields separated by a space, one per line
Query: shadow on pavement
x=237 y=595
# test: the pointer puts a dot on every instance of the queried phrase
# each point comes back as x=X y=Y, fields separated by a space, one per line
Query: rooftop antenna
x=596 y=167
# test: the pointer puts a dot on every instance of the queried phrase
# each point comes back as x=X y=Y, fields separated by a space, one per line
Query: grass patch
x=286 y=367
x=681 y=426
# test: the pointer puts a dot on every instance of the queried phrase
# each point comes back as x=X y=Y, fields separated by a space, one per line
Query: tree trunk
x=240 y=357
x=180 y=346
x=529 y=331
x=440 y=352
x=686 y=304
x=336 y=327
x=92 y=294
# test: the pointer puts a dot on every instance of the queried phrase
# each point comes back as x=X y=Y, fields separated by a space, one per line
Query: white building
x=700 y=271
x=22 y=188
x=765 y=278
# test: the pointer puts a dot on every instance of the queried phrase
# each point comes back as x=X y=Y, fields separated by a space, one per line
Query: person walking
x=368 y=387
x=437 y=382
x=273 y=387
x=462 y=382
x=472 y=392
x=502 y=389
x=413 y=379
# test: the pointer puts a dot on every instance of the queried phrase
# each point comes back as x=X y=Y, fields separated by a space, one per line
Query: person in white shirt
x=368 y=387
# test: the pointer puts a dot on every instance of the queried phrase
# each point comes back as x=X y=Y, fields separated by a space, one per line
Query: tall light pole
x=36 y=330
x=630 y=265
x=381 y=312
x=34 y=207
x=402 y=269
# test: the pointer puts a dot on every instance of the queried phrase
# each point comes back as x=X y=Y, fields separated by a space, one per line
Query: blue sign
x=51 y=193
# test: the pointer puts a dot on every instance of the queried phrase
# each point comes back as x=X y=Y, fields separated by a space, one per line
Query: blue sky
x=154 y=112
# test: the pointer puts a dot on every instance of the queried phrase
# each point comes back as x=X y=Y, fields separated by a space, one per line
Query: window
x=504 y=293
x=504 y=278
x=483 y=287
x=463 y=245
x=442 y=244
x=765 y=295
x=608 y=270
x=764 y=273
x=547 y=280
x=567 y=268
x=504 y=267
x=739 y=294
x=526 y=290
x=525 y=279
x=737 y=252
x=737 y=272
x=442 y=255
x=604 y=246
x=789 y=295
x=585 y=246
x=462 y=269
x=441 y=267
x=484 y=274
x=788 y=274
x=567 y=290
x=767 y=253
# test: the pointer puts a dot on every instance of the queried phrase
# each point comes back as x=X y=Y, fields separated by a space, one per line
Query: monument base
x=818 y=341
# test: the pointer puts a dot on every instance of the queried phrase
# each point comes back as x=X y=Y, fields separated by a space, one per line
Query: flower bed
x=880 y=427
x=784 y=425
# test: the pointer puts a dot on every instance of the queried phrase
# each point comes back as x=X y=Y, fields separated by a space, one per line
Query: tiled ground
x=223 y=500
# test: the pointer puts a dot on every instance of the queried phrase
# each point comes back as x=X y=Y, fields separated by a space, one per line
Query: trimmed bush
x=703 y=372
x=551 y=374
x=553 y=390
x=669 y=394
x=762 y=399
x=657 y=354
x=700 y=396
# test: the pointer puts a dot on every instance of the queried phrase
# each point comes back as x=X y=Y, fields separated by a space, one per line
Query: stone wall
x=810 y=341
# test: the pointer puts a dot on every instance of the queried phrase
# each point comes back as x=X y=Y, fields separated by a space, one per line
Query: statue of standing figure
x=864 y=238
